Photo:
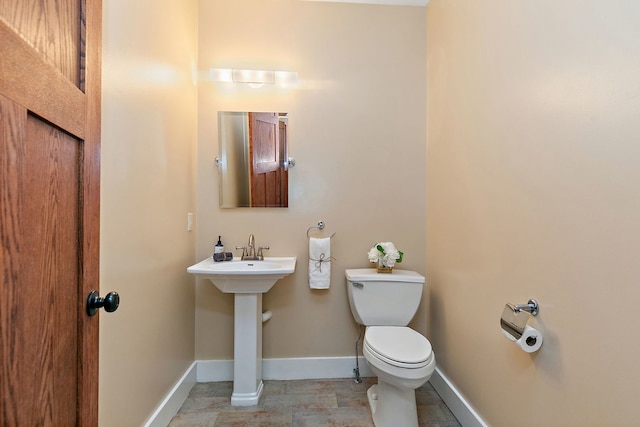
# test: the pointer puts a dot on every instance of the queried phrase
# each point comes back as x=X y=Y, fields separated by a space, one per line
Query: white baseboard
x=214 y=370
x=303 y=368
x=307 y=368
x=174 y=400
x=300 y=369
x=459 y=406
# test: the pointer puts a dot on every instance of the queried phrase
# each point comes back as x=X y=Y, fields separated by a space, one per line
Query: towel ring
x=320 y=226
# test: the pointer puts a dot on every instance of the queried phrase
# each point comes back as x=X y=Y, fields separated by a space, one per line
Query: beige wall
x=534 y=191
x=148 y=181
x=357 y=132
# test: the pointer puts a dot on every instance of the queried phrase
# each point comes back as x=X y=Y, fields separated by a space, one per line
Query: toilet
x=401 y=358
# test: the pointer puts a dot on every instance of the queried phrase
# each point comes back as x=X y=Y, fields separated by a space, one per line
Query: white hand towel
x=319 y=263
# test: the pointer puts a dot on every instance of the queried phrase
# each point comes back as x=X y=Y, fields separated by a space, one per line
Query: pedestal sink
x=248 y=280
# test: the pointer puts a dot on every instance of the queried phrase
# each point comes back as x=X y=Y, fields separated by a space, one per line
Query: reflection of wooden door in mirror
x=284 y=157
x=267 y=174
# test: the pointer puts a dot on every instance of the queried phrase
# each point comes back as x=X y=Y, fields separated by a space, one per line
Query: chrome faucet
x=249 y=252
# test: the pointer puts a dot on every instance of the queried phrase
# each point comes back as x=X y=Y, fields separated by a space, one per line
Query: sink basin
x=244 y=276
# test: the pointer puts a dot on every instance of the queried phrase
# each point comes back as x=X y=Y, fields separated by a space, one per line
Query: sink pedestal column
x=247 y=349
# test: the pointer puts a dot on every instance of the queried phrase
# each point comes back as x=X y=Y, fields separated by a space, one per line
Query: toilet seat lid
x=399 y=345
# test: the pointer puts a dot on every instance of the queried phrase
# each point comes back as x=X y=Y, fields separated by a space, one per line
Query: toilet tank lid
x=372 y=275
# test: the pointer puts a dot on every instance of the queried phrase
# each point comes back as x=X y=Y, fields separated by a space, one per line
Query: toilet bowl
x=400 y=357
x=403 y=361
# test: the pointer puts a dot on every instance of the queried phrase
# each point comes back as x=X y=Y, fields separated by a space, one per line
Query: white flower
x=385 y=253
x=374 y=254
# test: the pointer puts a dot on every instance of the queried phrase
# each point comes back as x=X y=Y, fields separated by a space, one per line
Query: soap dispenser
x=219 y=247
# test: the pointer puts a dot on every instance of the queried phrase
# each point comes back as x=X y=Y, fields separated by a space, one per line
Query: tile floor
x=300 y=403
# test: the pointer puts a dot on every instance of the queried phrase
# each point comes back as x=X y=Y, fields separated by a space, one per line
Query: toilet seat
x=398 y=346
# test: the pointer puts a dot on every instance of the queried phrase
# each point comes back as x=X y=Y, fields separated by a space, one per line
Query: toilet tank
x=383 y=299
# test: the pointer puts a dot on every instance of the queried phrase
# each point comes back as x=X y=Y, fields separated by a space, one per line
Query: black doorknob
x=109 y=302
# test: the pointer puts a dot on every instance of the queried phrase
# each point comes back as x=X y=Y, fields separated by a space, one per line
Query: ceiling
x=387 y=2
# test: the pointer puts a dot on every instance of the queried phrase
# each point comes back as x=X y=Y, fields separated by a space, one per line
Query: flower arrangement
x=385 y=255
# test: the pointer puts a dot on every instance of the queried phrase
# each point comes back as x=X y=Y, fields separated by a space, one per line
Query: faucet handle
x=244 y=251
x=260 y=255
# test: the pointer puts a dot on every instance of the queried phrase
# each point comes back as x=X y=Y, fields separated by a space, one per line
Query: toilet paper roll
x=530 y=341
x=266 y=315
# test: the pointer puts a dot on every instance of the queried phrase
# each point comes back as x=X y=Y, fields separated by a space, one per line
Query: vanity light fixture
x=254 y=78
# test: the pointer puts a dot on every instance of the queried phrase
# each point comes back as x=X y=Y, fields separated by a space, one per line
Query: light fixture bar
x=255 y=78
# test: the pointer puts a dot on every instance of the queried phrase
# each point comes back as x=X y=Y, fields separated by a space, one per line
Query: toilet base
x=391 y=406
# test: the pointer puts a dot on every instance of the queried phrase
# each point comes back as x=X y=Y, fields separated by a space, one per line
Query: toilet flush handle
x=358 y=285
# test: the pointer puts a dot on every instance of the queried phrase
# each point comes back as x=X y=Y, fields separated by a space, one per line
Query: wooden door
x=266 y=171
x=49 y=211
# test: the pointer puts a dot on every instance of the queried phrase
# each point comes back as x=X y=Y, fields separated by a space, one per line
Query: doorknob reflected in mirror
x=109 y=302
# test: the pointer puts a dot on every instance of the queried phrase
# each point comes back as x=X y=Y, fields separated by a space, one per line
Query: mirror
x=253 y=159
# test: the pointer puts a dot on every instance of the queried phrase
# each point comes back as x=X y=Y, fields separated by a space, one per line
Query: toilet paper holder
x=515 y=317
x=531 y=306
x=514 y=325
